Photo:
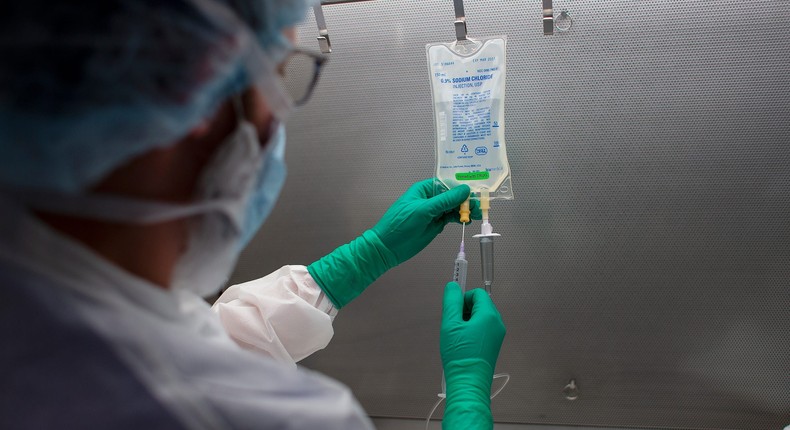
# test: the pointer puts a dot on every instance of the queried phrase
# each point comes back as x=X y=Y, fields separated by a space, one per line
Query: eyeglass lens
x=299 y=73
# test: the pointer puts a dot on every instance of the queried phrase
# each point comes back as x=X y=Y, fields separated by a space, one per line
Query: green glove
x=408 y=226
x=412 y=222
x=471 y=336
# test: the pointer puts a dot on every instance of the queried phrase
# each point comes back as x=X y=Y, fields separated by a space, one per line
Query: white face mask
x=235 y=193
x=249 y=179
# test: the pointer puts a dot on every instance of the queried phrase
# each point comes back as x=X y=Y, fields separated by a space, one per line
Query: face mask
x=251 y=178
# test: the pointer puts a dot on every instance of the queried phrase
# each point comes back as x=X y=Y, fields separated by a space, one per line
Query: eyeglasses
x=299 y=74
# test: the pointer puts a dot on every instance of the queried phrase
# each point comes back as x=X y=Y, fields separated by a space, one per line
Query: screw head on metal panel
x=571 y=391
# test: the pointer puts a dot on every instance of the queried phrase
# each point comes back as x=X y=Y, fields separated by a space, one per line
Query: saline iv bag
x=468 y=89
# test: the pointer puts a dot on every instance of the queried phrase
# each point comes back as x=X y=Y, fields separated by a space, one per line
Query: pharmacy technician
x=141 y=147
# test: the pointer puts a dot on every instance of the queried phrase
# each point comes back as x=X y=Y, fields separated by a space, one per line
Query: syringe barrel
x=487 y=261
x=459 y=273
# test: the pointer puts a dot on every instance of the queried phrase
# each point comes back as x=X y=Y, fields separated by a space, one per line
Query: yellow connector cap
x=465 y=211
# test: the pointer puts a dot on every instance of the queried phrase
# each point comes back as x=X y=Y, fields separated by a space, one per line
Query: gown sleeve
x=284 y=315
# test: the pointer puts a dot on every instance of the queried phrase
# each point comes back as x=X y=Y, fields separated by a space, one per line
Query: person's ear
x=290 y=34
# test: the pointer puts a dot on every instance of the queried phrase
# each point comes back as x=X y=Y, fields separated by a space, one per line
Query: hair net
x=88 y=85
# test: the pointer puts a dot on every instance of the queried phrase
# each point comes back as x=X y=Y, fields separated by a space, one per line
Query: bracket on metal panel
x=548 y=18
x=323 y=33
x=460 y=20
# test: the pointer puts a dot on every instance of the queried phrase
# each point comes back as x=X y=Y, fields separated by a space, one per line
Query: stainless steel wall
x=647 y=252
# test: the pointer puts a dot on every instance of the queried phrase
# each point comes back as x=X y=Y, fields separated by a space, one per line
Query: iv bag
x=468 y=89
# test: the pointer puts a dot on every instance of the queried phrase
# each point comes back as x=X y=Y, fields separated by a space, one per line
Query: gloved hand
x=415 y=219
x=471 y=336
x=408 y=226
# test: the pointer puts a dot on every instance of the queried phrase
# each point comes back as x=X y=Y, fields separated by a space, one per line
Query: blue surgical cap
x=87 y=85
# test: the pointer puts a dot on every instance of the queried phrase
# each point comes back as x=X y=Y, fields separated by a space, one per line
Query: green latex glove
x=471 y=336
x=415 y=219
x=408 y=226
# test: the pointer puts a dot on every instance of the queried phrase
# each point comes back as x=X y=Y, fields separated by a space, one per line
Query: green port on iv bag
x=468 y=91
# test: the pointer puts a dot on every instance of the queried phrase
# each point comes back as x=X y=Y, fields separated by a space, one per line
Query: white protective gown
x=284 y=315
x=105 y=349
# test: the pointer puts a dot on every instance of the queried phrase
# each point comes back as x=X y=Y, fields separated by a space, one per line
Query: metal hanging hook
x=548 y=18
x=323 y=34
x=460 y=20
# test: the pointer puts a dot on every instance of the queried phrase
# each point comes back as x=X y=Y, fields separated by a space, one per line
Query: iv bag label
x=472 y=176
x=471 y=116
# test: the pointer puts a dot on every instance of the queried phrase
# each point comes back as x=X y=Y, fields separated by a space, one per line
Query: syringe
x=459 y=276
x=486 y=236
x=459 y=270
